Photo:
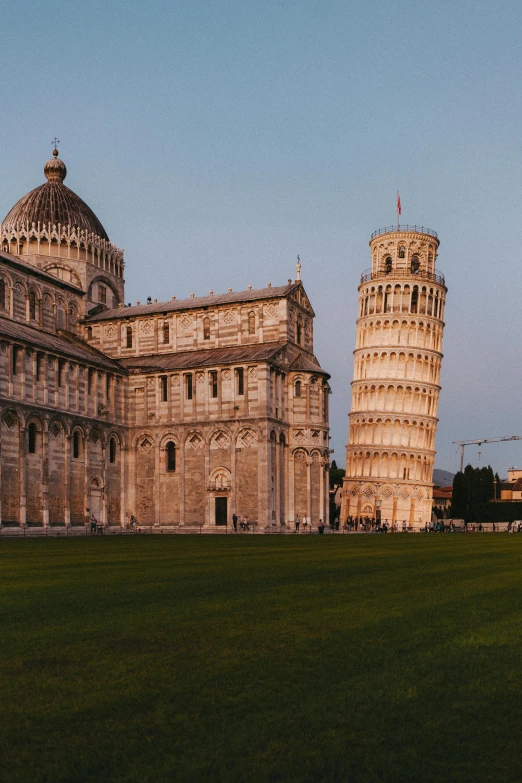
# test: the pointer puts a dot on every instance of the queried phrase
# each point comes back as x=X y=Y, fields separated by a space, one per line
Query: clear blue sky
x=217 y=140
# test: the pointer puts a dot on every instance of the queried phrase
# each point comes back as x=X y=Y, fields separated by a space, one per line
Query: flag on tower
x=399 y=209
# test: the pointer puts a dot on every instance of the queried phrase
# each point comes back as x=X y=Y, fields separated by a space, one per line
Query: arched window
x=415 y=264
x=388 y=265
x=251 y=323
x=89 y=332
x=31 y=438
x=2 y=294
x=414 y=299
x=171 y=457
x=166 y=332
x=32 y=306
x=402 y=251
x=299 y=332
x=129 y=336
x=298 y=388
x=112 y=451
x=76 y=445
x=206 y=328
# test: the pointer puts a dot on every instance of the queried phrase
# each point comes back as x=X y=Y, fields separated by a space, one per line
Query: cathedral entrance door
x=221 y=511
x=95 y=502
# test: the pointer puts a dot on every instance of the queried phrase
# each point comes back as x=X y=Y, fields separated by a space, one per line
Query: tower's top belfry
x=402 y=252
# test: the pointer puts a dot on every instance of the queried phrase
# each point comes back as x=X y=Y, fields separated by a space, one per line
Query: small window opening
x=61 y=371
x=102 y=294
x=31 y=437
x=108 y=386
x=214 y=382
x=206 y=328
x=388 y=265
x=76 y=445
x=89 y=332
x=414 y=299
x=415 y=264
x=32 y=306
x=402 y=251
x=240 y=380
x=188 y=386
x=251 y=323
x=171 y=457
x=14 y=358
x=299 y=332
x=112 y=451
x=90 y=379
x=166 y=333
x=2 y=294
x=129 y=336
x=164 y=388
x=298 y=388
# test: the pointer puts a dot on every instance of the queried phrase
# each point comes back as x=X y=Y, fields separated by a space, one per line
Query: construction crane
x=464 y=443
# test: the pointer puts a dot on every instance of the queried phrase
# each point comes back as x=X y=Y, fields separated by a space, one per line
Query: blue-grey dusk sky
x=217 y=140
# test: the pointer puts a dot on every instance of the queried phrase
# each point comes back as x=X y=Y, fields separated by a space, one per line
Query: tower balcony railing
x=395 y=274
x=398 y=229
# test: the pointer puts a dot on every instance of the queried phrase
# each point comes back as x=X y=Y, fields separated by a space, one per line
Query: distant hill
x=443 y=478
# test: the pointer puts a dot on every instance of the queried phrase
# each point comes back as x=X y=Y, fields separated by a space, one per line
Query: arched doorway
x=96 y=499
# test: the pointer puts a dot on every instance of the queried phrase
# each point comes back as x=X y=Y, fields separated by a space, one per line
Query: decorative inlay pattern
x=9 y=420
x=195 y=441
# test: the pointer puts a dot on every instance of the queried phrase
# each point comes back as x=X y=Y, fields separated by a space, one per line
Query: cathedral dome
x=54 y=203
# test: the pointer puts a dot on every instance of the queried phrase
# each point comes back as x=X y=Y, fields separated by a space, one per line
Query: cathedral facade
x=178 y=413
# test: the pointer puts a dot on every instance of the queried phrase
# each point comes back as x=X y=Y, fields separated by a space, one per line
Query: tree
x=336 y=476
x=472 y=491
x=336 y=481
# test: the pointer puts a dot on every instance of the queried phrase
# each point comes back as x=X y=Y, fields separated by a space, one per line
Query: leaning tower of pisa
x=395 y=387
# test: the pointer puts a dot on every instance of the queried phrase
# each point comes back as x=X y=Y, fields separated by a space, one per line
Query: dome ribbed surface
x=54 y=203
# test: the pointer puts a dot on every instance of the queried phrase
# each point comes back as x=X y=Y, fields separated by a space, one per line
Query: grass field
x=350 y=658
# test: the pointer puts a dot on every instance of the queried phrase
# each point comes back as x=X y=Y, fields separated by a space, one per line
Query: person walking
x=297 y=523
x=234 y=521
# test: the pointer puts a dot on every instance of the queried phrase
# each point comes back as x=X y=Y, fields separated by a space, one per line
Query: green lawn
x=347 y=658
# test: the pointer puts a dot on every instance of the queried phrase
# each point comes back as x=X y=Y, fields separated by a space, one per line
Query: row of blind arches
x=165 y=331
x=77 y=445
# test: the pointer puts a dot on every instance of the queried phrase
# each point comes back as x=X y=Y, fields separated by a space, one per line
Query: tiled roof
x=67 y=346
x=209 y=357
x=30 y=269
x=303 y=363
x=442 y=493
x=196 y=303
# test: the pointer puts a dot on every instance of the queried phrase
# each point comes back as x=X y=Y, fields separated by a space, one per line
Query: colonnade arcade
x=412 y=332
x=394 y=397
x=397 y=364
x=390 y=465
x=402 y=298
